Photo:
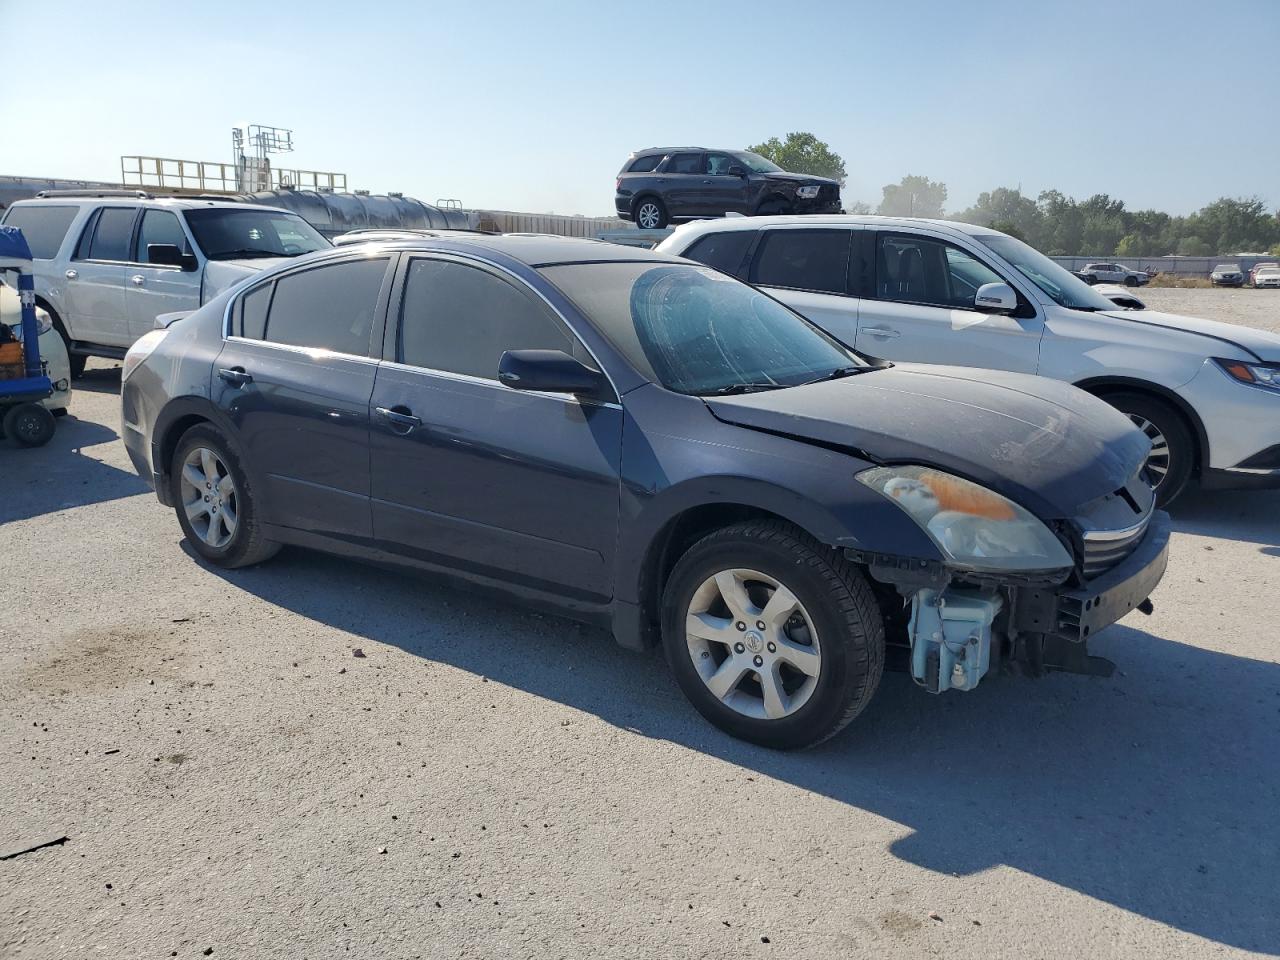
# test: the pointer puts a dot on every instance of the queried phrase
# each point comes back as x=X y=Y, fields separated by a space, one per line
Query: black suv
x=663 y=184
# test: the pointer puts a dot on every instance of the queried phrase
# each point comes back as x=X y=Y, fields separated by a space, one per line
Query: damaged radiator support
x=950 y=634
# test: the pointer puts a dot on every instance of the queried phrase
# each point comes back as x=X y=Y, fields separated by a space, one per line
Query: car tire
x=1131 y=281
x=29 y=424
x=203 y=501
x=650 y=214
x=835 y=633
x=1174 y=455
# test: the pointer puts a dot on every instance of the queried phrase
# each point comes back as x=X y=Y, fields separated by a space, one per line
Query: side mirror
x=170 y=255
x=737 y=171
x=550 y=371
x=995 y=298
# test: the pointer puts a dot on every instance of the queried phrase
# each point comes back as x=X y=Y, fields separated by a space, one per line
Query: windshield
x=1062 y=286
x=1227 y=268
x=697 y=331
x=229 y=234
x=756 y=163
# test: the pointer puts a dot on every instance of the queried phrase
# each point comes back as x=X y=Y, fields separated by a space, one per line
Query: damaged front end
x=1012 y=591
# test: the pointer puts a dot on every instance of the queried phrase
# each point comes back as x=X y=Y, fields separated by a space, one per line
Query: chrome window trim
x=315 y=353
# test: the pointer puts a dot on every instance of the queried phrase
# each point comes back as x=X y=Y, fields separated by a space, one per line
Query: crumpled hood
x=1044 y=444
x=220 y=275
x=800 y=178
x=1263 y=345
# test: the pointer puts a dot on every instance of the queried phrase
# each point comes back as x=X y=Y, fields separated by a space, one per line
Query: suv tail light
x=617 y=184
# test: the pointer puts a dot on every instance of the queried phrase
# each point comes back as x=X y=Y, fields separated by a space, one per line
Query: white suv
x=107 y=263
x=930 y=291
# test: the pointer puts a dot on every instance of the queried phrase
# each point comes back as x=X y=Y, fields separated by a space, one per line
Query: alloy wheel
x=1158 y=460
x=648 y=216
x=753 y=644
x=209 y=497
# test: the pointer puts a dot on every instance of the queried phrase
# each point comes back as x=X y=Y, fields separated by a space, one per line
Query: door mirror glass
x=737 y=171
x=549 y=371
x=170 y=255
x=995 y=298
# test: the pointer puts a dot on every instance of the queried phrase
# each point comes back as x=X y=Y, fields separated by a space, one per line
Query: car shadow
x=1156 y=791
x=1251 y=516
x=98 y=379
x=61 y=475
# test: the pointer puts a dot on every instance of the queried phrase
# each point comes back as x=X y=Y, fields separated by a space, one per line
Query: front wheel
x=1173 y=450
x=1131 y=281
x=651 y=214
x=214 y=502
x=772 y=636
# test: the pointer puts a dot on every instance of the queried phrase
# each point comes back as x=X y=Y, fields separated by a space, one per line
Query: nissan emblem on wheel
x=653 y=446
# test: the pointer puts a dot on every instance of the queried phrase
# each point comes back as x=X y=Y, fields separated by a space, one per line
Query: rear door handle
x=71 y=274
x=235 y=376
x=884 y=332
x=138 y=279
x=399 y=417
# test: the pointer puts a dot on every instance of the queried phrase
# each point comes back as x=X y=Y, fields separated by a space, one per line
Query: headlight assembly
x=807 y=192
x=975 y=528
x=1265 y=375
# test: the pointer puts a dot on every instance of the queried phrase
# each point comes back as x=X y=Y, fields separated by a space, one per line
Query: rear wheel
x=214 y=502
x=30 y=424
x=773 y=637
x=651 y=214
x=1173 y=449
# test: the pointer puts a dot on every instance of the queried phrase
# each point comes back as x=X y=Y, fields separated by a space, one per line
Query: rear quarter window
x=44 y=227
x=645 y=164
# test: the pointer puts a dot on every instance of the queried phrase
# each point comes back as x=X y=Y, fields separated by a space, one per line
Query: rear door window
x=724 y=251
x=44 y=227
x=113 y=234
x=327 y=308
x=803 y=260
x=685 y=163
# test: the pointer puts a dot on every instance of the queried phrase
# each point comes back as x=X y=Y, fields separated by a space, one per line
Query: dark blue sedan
x=650 y=445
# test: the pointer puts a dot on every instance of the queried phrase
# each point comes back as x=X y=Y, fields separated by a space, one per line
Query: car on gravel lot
x=662 y=185
x=1113 y=273
x=1206 y=393
x=108 y=262
x=647 y=444
x=1253 y=271
x=1267 y=275
x=1227 y=275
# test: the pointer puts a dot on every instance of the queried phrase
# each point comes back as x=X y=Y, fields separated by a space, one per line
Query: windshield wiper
x=732 y=388
x=245 y=254
x=839 y=373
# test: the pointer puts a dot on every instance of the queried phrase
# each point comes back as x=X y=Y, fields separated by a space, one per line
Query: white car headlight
x=1255 y=374
x=807 y=192
x=975 y=528
x=140 y=350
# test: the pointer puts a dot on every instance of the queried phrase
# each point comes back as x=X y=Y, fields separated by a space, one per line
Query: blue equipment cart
x=25 y=419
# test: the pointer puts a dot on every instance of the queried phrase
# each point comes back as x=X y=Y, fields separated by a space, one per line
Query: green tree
x=1230 y=224
x=803 y=153
x=1193 y=246
x=1006 y=206
x=913 y=196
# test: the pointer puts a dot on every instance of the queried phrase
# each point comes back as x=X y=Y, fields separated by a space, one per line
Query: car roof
x=700 y=227
x=173 y=203
x=533 y=250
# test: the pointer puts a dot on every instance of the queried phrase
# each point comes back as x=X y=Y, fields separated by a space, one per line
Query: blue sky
x=534 y=106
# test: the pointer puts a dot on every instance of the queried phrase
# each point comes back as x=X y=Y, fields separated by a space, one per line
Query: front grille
x=1103 y=549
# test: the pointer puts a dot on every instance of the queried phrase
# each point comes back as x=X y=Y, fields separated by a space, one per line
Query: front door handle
x=399 y=417
x=71 y=274
x=138 y=279
x=235 y=376
x=885 y=333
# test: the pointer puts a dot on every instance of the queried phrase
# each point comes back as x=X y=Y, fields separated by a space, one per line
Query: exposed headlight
x=975 y=528
x=807 y=192
x=140 y=350
x=43 y=324
x=1265 y=375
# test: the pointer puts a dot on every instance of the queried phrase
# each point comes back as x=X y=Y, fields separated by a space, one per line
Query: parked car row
x=1265 y=275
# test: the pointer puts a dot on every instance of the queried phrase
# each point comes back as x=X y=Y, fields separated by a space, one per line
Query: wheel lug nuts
x=760 y=625
x=773 y=647
x=206 y=498
x=740 y=625
x=738 y=648
x=758 y=660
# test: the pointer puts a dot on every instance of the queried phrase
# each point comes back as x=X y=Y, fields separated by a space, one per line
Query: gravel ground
x=1253 y=308
x=486 y=782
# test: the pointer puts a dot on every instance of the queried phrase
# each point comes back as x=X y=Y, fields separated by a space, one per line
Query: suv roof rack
x=134 y=194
